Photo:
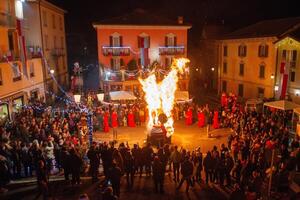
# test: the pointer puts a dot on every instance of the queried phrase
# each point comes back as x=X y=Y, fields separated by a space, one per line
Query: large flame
x=160 y=96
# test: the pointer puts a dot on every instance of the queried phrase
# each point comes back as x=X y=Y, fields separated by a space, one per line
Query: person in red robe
x=114 y=124
x=201 y=119
x=106 y=122
x=189 y=117
x=130 y=119
x=216 y=120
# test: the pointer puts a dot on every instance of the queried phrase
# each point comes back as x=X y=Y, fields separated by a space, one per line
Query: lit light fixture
x=276 y=88
x=51 y=71
x=100 y=96
x=297 y=92
x=212 y=69
x=77 y=97
x=108 y=73
x=272 y=76
x=22 y=1
x=197 y=69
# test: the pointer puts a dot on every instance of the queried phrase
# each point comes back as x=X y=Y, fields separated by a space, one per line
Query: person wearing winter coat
x=115 y=175
x=76 y=164
x=208 y=167
x=175 y=158
x=129 y=168
x=158 y=175
x=94 y=157
x=187 y=172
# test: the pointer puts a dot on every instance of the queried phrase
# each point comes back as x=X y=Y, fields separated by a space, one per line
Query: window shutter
x=266 y=50
x=111 y=63
x=175 y=41
x=245 y=51
x=110 y=41
x=139 y=41
x=166 y=41
x=148 y=45
x=121 y=41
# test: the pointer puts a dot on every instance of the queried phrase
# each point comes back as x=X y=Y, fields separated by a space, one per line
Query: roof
x=121 y=95
x=282 y=105
x=140 y=17
x=266 y=28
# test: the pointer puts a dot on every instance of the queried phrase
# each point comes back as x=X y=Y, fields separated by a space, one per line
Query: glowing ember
x=160 y=96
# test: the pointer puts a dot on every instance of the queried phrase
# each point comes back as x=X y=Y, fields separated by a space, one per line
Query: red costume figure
x=106 y=122
x=201 y=119
x=114 y=119
x=130 y=119
x=189 y=117
x=224 y=100
x=216 y=120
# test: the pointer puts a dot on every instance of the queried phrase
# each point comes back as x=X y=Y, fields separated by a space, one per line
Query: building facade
x=46 y=30
x=132 y=43
x=21 y=78
x=251 y=59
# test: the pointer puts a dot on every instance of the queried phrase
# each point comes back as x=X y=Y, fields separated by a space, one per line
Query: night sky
x=235 y=13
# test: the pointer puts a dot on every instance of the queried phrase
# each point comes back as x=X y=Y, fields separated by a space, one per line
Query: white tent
x=282 y=105
x=182 y=96
x=121 y=95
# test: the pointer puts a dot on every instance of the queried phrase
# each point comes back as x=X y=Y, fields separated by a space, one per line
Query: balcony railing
x=172 y=50
x=34 y=52
x=10 y=56
x=116 y=51
x=58 y=52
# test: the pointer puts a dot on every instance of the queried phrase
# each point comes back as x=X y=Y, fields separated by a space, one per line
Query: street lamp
x=212 y=69
x=272 y=76
x=52 y=71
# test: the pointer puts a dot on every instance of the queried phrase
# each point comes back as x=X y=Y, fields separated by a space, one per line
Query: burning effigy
x=160 y=97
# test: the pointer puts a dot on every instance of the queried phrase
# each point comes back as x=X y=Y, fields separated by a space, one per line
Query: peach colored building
x=130 y=44
x=18 y=81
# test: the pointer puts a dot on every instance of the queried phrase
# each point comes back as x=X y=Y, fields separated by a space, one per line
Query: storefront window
x=3 y=112
x=17 y=104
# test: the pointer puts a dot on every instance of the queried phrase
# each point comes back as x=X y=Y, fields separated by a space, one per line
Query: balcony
x=57 y=52
x=34 y=52
x=116 y=51
x=7 y=20
x=10 y=56
x=172 y=50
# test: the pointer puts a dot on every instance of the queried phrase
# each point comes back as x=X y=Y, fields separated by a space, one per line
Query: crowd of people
x=40 y=140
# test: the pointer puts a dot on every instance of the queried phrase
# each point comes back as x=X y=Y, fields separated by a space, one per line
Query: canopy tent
x=282 y=105
x=182 y=96
x=121 y=95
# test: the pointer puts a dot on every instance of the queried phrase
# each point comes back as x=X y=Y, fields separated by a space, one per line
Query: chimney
x=180 y=19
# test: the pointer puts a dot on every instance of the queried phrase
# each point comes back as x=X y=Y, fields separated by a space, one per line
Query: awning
x=282 y=105
x=121 y=95
x=181 y=96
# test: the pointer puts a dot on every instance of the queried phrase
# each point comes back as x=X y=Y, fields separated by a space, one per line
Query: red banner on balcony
x=284 y=85
x=282 y=66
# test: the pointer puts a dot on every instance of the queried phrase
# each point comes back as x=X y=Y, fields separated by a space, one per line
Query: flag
x=21 y=40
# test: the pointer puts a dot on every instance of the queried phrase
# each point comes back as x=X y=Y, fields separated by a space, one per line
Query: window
x=1 y=79
x=260 y=92
x=170 y=40
x=45 y=19
x=224 y=67
x=263 y=50
x=242 y=51
x=143 y=41
x=293 y=76
x=53 y=21
x=11 y=40
x=262 y=71
x=16 y=72
x=60 y=24
x=241 y=90
x=283 y=56
x=294 y=59
x=115 y=64
x=115 y=40
x=242 y=66
x=225 y=49
x=46 y=42
x=224 y=86
x=54 y=42
x=31 y=69
x=62 y=42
